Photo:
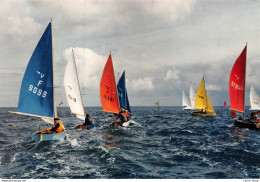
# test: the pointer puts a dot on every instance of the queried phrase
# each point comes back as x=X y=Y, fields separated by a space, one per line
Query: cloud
x=141 y=84
x=213 y=88
x=172 y=75
x=90 y=66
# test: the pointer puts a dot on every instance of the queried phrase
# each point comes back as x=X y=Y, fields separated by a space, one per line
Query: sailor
x=254 y=117
x=88 y=124
x=121 y=120
x=125 y=113
x=58 y=128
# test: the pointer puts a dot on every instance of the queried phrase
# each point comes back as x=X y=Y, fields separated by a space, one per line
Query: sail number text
x=37 y=91
x=235 y=85
x=109 y=98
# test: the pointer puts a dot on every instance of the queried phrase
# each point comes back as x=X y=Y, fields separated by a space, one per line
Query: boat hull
x=247 y=123
x=48 y=137
x=203 y=114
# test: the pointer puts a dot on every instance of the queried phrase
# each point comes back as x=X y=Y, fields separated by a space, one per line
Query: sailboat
x=237 y=81
x=157 y=104
x=192 y=96
x=73 y=93
x=37 y=93
x=108 y=89
x=185 y=103
x=254 y=99
x=123 y=97
x=202 y=102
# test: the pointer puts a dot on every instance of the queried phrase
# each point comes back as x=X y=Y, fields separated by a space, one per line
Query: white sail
x=72 y=89
x=185 y=102
x=192 y=96
x=254 y=99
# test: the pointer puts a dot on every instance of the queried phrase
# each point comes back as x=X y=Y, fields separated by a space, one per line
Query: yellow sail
x=202 y=99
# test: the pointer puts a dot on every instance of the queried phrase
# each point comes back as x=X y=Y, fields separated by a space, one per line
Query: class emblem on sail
x=108 y=89
x=37 y=90
x=72 y=89
x=122 y=93
x=202 y=102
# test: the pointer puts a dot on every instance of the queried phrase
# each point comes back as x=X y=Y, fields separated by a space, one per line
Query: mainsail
x=108 y=91
x=72 y=89
x=122 y=93
x=237 y=82
x=254 y=99
x=192 y=96
x=37 y=90
x=185 y=102
x=202 y=99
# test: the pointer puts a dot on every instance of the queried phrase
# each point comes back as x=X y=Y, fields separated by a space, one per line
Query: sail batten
x=237 y=81
x=108 y=89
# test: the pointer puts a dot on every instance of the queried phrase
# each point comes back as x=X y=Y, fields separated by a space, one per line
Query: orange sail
x=108 y=91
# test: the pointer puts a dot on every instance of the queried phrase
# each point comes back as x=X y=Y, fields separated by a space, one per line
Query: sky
x=162 y=45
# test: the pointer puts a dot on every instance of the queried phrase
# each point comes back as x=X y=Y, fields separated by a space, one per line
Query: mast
x=54 y=105
x=78 y=80
x=125 y=93
x=115 y=82
x=205 y=94
x=245 y=86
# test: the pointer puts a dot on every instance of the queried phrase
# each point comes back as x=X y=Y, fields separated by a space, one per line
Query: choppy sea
x=175 y=145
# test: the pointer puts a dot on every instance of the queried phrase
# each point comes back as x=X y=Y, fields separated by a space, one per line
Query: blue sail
x=127 y=103
x=36 y=94
x=122 y=93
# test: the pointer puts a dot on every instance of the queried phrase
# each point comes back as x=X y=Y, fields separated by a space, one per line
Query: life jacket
x=126 y=115
x=60 y=128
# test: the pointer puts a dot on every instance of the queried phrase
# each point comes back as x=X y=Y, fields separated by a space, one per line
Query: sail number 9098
x=37 y=91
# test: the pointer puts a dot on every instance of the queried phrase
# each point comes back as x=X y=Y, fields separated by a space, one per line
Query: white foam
x=74 y=143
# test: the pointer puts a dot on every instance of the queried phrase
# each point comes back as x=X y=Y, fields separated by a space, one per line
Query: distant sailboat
x=254 y=99
x=202 y=102
x=185 y=103
x=237 y=83
x=73 y=93
x=192 y=96
x=37 y=96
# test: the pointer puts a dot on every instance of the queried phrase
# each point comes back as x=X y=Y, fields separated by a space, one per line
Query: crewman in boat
x=58 y=128
x=121 y=120
x=125 y=112
x=254 y=116
x=203 y=110
x=88 y=124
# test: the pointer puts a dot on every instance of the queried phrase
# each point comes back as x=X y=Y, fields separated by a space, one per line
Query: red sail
x=108 y=91
x=225 y=104
x=237 y=81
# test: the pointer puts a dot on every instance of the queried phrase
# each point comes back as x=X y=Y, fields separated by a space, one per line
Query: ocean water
x=175 y=145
